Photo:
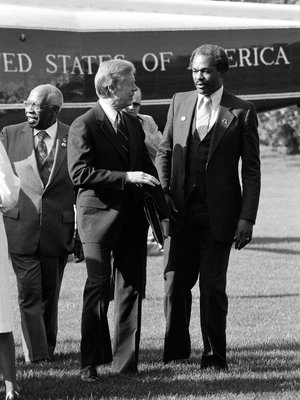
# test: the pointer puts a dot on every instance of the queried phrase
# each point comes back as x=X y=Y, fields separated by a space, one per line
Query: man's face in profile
x=124 y=92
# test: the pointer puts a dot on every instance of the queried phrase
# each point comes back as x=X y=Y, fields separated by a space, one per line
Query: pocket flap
x=89 y=201
x=13 y=213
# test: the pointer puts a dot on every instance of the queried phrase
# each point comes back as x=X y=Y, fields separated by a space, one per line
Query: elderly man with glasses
x=40 y=227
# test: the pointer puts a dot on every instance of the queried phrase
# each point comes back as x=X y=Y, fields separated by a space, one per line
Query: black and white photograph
x=149 y=200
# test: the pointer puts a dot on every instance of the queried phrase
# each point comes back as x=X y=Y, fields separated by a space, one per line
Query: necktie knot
x=206 y=101
x=42 y=135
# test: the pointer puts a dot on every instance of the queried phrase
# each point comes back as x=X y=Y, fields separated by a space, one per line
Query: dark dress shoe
x=176 y=361
x=12 y=395
x=214 y=362
x=42 y=360
x=89 y=374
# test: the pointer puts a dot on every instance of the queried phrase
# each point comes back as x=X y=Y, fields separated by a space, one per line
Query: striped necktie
x=122 y=131
x=203 y=117
x=41 y=148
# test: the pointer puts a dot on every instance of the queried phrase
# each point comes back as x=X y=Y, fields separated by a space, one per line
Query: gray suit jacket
x=44 y=216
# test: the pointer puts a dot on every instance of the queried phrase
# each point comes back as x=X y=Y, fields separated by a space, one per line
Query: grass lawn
x=263 y=320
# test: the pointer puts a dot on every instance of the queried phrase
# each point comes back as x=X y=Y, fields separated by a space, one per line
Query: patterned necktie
x=122 y=131
x=203 y=117
x=41 y=148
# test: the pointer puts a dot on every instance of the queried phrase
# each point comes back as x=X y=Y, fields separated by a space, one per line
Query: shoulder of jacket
x=236 y=101
x=84 y=117
x=62 y=125
x=145 y=117
x=15 y=127
x=184 y=94
x=132 y=117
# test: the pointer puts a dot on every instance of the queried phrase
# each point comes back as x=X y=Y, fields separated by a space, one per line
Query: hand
x=141 y=178
x=243 y=234
x=171 y=205
x=165 y=226
x=78 y=252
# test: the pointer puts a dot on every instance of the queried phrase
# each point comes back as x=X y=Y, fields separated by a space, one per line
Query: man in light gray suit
x=40 y=228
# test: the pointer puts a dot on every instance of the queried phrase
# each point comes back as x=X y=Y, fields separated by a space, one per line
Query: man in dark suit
x=40 y=228
x=110 y=166
x=208 y=132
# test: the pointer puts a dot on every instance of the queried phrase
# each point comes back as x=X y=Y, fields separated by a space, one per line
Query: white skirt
x=6 y=317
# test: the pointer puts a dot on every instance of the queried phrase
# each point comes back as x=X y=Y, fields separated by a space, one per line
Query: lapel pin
x=225 y=121
x=64 y=144
x=183 y=118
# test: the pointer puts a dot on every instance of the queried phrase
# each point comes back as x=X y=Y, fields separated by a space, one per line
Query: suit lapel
x=60 y=151
x=186 y=116
x=222 y=123
x=109 y=132
x=27 y=147
x=185 y=122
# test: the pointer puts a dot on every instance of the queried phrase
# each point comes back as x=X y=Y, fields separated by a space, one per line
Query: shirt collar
x=51 y=131
x=107 y=108
x=215 y=97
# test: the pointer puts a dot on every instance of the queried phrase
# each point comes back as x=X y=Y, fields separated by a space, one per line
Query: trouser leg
x=213 y=298
x=181 y=273
x=52 y=269
x=7 y=360
x=129 y=258
x=95 y=338
x=127 y=313
x=29 y=282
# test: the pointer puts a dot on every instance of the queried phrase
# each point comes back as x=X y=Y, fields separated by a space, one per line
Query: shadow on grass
x=269 y=240
x=265 y=296
x=264 y=241
x=277 y=251
x=267 y=369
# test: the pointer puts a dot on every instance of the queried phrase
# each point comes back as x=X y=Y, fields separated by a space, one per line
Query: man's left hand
x=243 y=234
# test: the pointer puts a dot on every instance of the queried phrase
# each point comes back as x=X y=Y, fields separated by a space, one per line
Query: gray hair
x=110 y=73
x=216 y=52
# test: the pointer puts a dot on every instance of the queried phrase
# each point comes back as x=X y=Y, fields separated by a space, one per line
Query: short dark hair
x=218 y=54
x=111 y=73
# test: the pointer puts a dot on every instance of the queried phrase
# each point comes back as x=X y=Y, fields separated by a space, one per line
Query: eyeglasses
x=36 y=107
x=134 y=104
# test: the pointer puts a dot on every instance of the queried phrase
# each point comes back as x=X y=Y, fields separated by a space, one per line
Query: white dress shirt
x=110 y=112
x=49 y=140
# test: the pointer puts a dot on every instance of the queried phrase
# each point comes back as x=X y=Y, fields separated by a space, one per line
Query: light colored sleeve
x=9 y=182
x=152 y=135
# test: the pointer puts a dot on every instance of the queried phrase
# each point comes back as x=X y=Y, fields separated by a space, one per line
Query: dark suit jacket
x=43 y=217
x=97 y=166
x=234 y=137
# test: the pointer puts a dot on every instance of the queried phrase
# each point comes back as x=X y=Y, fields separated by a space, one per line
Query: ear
x=56 y=110
x=111 y=89
x=222 y=73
